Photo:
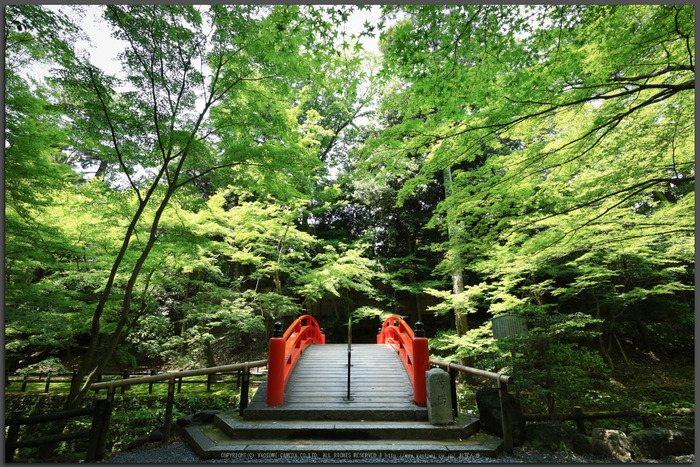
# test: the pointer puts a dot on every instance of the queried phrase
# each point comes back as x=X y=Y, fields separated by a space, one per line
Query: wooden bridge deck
x=379 y=386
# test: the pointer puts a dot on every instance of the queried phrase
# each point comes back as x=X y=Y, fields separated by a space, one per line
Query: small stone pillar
x=440 y=410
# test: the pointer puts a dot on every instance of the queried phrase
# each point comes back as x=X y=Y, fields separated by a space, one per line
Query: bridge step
x=339 y=440
x=300 y=408
x=236 y=428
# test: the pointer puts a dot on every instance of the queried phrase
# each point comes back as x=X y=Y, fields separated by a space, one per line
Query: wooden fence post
x=169 y=409
x=73 y=378
x=106 y=418
x=505 y=416
x=100 y=423
x=24 y=383
x=12 y=435
x=48 y=382
x=453 y=389
x=243 y=404
x=150 y=385
x=99 y=378
x=125 y=375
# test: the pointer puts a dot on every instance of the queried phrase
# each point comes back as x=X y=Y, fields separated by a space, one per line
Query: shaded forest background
x=248 y=164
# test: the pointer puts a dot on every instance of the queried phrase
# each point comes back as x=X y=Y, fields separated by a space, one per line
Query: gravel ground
x=180 y=452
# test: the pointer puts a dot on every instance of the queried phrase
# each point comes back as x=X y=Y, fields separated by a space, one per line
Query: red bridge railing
x=412 y=349
x=285 y=350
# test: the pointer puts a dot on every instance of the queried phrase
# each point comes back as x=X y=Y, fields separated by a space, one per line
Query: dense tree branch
x=112 y=130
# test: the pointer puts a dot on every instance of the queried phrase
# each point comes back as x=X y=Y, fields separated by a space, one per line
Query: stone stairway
x=231 y=437
x=382 y=421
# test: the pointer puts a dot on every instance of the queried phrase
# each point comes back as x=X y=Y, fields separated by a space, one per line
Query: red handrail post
x=421 y=365
x=275 y=368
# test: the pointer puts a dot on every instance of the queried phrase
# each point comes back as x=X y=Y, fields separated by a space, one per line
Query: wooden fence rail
x=502 y=384
x=96 y=435
x=48 y=378
x=171 y=377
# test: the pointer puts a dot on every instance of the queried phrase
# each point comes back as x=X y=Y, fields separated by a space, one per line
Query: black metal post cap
x=278 y=330
x=419 y=331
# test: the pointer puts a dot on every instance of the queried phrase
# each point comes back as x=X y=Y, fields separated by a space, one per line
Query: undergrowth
x=133 y=415
x=662 y=393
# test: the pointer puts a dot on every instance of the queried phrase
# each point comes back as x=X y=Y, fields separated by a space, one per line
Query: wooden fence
x=502 y=384
x=45 y=379
x=102 y=410
x=171 y=377
x=96 y=435
x=579 y=416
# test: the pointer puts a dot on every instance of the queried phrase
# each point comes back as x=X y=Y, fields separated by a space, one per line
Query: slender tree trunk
x=410 y=244
x=101 y=170
x=461 y=323
x=601 y=341
x=101 y=347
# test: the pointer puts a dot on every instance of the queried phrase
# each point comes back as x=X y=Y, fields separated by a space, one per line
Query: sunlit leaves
x=339 y=269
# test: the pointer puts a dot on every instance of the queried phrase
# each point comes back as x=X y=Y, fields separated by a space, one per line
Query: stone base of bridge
x=231 y=437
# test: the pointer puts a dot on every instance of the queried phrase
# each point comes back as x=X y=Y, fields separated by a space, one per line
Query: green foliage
x=52 y=364
x=476 y=342
x=250 y=162
x=368 y=312
x=131 y=416
x=339 y=268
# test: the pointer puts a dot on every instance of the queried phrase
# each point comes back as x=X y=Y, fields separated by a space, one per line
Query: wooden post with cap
x=275 y=373
x=421 y=364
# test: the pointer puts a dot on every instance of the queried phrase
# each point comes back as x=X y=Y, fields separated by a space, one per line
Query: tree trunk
x=461 y=324
x=101 y=170
x=643 y=335
x=601 y=342
x=277 y=281
x=101 y=347
x=410 y=244
x=458 y=288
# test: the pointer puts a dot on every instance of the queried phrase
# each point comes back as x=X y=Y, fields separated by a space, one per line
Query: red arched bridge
x=309 y=379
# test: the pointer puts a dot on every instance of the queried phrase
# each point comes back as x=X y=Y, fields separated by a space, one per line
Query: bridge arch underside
x=379 y=387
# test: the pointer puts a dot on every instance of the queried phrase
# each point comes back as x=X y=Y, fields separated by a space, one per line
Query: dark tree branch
x=638 y=187
x=218 y=167
x=112 y=130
